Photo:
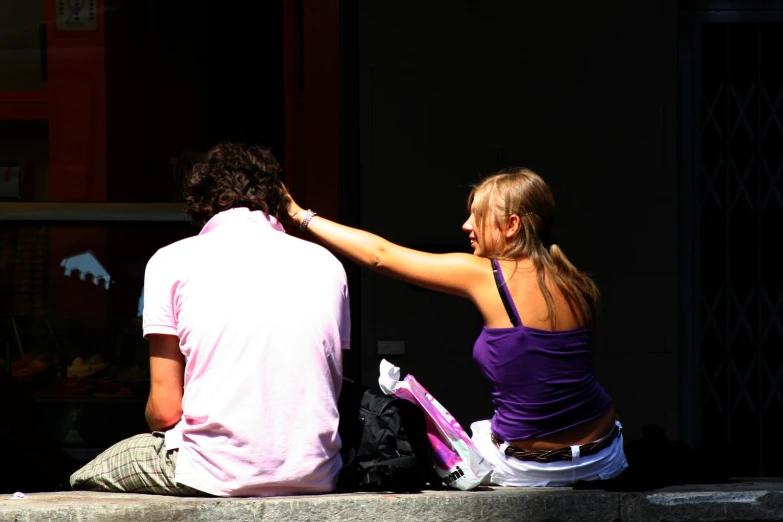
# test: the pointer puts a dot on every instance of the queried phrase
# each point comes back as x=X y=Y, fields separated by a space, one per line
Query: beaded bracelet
x=306 y=221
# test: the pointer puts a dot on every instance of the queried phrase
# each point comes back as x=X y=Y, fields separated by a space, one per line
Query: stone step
x=747 y=500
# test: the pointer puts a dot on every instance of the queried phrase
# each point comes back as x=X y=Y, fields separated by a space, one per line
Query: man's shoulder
x=315 y=253
x=175 y=250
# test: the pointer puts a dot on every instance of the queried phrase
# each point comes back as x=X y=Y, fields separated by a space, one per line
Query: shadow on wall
x=655 y=462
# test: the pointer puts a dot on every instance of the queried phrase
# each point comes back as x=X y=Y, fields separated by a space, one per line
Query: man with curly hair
x=246 y=327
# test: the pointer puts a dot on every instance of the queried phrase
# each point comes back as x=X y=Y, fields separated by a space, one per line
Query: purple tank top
x=542 y=381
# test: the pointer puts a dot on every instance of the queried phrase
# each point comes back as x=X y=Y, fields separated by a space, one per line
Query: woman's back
x=521 y=280
x=544 y=389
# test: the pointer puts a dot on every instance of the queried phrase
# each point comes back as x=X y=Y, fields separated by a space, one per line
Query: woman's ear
x=512 y=226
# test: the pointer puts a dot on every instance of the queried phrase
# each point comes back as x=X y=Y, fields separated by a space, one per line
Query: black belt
x=561 y=453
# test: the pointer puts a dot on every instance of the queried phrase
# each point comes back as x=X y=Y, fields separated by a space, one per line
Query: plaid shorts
x=139 y=464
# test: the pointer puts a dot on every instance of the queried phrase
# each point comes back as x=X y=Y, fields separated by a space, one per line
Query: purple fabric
x=542 y=381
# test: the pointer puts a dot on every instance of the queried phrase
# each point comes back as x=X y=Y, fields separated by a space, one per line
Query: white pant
x=510 y=471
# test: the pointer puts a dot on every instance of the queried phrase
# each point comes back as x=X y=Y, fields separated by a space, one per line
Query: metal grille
x=740 y=245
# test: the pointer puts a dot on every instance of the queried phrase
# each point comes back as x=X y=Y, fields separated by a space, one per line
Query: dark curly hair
x=234 y=175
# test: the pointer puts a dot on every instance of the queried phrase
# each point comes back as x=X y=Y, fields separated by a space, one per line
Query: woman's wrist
x=308 y=215
x=296 y=215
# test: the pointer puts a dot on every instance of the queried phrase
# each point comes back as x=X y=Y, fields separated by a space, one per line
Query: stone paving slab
x=745 y=501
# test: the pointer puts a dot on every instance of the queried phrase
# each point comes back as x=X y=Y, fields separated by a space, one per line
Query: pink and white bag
x=455 y=457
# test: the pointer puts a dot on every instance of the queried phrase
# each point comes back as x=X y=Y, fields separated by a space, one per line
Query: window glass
x=70 y=323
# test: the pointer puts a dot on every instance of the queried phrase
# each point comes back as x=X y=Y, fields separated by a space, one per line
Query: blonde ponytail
x=578 y=288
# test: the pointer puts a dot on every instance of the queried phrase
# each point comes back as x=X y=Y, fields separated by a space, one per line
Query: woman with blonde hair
x=554 y=424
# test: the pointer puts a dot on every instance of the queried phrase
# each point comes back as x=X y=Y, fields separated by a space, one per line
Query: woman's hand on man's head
x=294 y=213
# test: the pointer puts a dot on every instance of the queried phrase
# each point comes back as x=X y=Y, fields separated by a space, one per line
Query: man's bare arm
x=167 y=370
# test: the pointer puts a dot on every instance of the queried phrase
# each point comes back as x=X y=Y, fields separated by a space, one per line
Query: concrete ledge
x=750 y=500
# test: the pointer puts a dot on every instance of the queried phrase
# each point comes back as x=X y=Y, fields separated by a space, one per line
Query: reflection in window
x=87 y=264
x=140 y=309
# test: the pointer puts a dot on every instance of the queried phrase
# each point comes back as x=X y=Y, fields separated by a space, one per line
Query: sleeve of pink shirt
x=159 y=285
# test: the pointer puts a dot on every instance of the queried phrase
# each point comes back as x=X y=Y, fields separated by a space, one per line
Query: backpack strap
x=407 y=462
x=511 y=310
x=382 y=474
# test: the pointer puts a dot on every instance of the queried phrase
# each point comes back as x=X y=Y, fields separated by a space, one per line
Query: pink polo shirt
x=262 y=318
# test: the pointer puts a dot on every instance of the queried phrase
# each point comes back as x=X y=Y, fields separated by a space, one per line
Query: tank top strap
x=505 y=296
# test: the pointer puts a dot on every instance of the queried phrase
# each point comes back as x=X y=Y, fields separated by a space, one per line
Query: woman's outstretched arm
x=452 y=273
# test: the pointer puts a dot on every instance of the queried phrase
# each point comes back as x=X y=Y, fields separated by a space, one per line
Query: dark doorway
x=731 y=227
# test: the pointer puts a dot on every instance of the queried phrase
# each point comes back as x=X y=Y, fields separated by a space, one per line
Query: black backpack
x=385 y=443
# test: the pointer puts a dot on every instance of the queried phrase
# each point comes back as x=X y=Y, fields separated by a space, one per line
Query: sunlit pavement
x=750 y=499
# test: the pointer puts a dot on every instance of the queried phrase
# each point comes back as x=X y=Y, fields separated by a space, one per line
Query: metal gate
x=732 y=235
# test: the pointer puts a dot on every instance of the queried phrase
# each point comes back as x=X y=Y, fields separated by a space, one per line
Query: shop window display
x=70 y=324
